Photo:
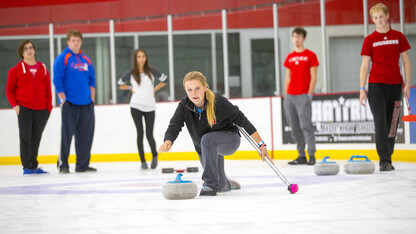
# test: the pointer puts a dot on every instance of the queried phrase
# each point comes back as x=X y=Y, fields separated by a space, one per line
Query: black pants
x=385 y=101
x=78 y=120
x=149 y=118
x=31 y=125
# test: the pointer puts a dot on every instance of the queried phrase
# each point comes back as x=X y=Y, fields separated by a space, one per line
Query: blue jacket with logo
x=74 y=75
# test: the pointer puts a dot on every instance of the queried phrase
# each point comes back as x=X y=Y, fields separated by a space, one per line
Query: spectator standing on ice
x=383 y=48
x=301 y=74
x=74 y=79
x=140 y=80
x=28 y=90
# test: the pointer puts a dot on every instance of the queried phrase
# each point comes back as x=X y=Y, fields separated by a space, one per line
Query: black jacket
x=226 y=116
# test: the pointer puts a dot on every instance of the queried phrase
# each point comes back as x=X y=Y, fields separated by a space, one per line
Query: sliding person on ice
x=210 y=119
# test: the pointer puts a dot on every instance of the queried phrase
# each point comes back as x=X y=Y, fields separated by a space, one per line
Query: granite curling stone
x=326 y=168
x=180 y=189
x=359 y=166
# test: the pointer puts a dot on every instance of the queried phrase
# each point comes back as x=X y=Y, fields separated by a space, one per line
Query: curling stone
x=180 y=189
x=326 y=168
x=359 y=166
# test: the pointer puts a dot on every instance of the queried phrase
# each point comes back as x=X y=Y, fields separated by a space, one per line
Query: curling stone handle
x=325 y=158
x=178 y=178
x=359 y=156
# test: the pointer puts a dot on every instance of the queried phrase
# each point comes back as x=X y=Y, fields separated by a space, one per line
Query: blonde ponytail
x=210 y=96
x=210 y=108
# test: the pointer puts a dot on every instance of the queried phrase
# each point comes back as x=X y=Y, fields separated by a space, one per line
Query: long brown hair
x=209 y=95
x=135 y=70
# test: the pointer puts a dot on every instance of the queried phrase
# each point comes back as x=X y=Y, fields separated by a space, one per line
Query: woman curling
x=210 y=119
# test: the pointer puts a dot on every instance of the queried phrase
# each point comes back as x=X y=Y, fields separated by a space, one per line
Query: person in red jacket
x=28 y=90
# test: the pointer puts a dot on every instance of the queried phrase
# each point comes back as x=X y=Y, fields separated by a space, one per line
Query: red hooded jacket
x=25 y=90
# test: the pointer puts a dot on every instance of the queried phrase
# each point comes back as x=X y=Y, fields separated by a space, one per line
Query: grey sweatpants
x=214 y=145
x=298 y=112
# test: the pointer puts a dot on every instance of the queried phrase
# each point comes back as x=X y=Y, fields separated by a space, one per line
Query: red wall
x=32 y=17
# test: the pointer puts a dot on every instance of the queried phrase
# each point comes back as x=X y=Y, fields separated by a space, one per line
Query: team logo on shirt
x=386 y=42
x=80 y=66
x=297 y=59
x=33 y=71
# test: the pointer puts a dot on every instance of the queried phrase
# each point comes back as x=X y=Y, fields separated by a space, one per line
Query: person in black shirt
x=210 y=119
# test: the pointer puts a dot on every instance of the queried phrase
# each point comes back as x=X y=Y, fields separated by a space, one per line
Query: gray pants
x=298 y=112
x=214 y=145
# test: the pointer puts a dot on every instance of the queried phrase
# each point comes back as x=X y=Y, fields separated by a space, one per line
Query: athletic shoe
x=89 y=169
x=144 y=166
x=63 y=170
x=154 y=163
x=311 y=161
x=386 y=166
x=298 y=161
x=208 y=191
x=39 y=171
x=27 y=171
x=234 y=184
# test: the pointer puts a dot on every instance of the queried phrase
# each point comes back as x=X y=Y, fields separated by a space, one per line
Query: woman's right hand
x=165 y=147
x=17 y=109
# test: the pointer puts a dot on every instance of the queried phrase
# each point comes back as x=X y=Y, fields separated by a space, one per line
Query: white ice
x=121 y=198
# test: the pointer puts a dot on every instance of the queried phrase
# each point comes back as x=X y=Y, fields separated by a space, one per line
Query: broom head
x=409 y=118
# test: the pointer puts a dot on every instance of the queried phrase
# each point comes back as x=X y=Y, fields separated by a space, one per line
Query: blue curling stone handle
x=359 y=156
x=325 y=158
x=179 y=180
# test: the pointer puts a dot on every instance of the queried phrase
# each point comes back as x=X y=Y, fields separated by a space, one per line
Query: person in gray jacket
x=140 y=80
x=211 y=121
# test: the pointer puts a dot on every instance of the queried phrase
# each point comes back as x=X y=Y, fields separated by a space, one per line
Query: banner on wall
x=339 y=118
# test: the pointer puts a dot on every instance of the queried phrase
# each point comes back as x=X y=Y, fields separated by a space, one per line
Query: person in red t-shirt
x=28 y=90
x=301 y=72
x=384 y=47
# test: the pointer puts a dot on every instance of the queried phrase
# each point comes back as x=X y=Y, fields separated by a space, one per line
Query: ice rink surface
x=121 y=198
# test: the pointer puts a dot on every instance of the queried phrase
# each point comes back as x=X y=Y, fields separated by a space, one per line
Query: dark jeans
x=385 y=100
x=78 y=120
x=149 y=118
x=31 y=126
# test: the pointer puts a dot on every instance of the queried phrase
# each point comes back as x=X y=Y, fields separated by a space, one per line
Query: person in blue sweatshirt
x=74 y=80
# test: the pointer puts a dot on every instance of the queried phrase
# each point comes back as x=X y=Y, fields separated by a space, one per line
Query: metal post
x=276 y=48
x=51 y=61
x=323 y=35
x=171 y=64
x=113 y=63
x=225 y=53
x=365 y=12
x=136 y=41
x=214 y=62
x=401 y=4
